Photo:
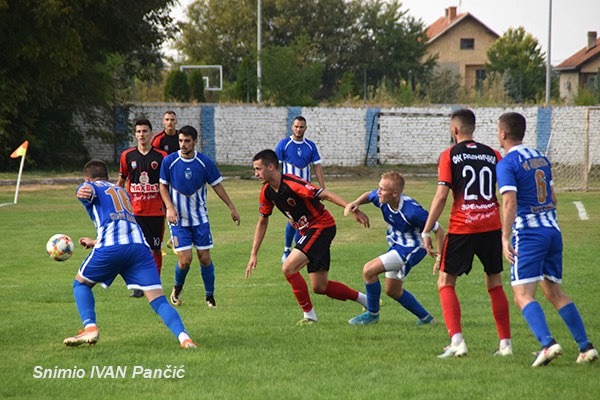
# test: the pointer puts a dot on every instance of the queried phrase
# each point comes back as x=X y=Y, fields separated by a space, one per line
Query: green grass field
x=250 y=347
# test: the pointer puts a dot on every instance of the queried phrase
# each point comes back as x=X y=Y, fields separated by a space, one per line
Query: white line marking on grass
x=581 y=210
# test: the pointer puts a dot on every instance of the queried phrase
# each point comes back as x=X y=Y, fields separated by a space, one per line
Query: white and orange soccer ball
x=60 y=247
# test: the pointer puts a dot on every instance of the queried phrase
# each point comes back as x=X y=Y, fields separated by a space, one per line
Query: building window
x=467 y=44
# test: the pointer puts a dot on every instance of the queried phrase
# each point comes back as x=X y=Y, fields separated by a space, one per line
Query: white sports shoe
x=455 y=351
x=503 y=352
x=547 y=354
x=586 y=357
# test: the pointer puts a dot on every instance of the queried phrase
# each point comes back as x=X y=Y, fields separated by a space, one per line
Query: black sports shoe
x=210 y=301
x=175 y=300
x=137 y=293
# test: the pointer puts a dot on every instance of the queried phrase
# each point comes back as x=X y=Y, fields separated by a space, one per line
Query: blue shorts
x=540 y=256
x=185 y=236
x=134 y=262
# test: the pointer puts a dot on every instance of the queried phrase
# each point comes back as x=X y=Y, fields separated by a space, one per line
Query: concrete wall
x=351 y=136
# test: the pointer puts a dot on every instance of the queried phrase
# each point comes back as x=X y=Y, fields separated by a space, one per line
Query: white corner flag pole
x=19 y=179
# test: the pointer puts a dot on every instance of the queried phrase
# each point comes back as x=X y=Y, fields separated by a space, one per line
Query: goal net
x=574 y=149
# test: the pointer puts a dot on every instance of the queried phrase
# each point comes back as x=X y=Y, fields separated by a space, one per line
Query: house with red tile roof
x=581 y=69
x=460 y=42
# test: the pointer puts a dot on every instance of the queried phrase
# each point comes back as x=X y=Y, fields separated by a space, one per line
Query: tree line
x=86 y=58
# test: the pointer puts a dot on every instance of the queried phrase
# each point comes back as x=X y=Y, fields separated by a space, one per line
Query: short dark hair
x=514 y=124
x=170 y=112
x=189 y=130
x=95 y=169
x=267 y=157
x=300 y=118
x=466 y=119
x=143 y=121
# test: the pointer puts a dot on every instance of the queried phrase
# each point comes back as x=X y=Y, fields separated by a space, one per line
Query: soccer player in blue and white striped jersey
x=296 y=154
x=119 y=249
x=183 y=178
x=406 y=219
x=532 y=241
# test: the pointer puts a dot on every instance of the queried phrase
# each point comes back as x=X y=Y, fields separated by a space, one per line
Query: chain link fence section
x=574 y=149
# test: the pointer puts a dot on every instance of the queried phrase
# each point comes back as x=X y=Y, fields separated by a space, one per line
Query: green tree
x=63 y=57
x=345 y=36
x=291 y=76
x=176 y=86
x=391 y=44
x=196 y=85
x=518 y=57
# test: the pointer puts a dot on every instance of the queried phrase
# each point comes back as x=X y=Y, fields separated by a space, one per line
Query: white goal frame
x=206 y=79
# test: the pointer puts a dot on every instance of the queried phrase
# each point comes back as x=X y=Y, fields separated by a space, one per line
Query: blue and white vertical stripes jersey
x=528 y=172
x=112 y=213
x=295 y=156
x=187 y=179
x=405 y=224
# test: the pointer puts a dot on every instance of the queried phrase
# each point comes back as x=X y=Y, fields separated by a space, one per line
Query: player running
x=301 y=203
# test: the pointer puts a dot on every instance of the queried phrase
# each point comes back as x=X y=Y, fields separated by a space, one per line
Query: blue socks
x=408 y=301
x=373 y=296
x=290 y=233
x=84 y=298
x=534 y=315
x=572 y=319
x=180 y=275
x=208 y=277
x=168 y=314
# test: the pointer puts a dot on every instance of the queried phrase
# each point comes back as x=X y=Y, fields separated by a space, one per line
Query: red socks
x=501 y=311
x=450 y=309
x=300 y=289
x=339 y=291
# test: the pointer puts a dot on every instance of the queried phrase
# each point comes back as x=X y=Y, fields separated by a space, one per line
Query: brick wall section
x=407 y=135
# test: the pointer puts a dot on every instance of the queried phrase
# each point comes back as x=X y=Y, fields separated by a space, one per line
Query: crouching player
x=406 y=219
x=119 y=249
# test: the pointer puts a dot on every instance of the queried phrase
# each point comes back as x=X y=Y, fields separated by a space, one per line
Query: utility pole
x=548 y=63
x=258 y=49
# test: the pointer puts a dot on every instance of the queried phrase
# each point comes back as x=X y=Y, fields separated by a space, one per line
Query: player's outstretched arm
x=437 y=206
x=259 y=235
x=440 y=236
x=222 y=193
x=353 y=206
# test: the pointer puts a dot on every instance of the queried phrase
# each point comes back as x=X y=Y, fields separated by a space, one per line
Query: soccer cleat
x=175 y=295
x=547 y=354
x=429 y=320
x=503 y=352
x=588 y=355
x=365 y=318
x=88 y=335
x=189 y=344
x=210 y=301
x=306 y=321
x=285 y=255
x=137 y=293
x=455 y=351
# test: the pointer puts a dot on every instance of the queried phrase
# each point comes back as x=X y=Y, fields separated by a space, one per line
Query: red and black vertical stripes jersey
x=166 y=143
x=469 y=170
x=298 y=200
x=143 y=173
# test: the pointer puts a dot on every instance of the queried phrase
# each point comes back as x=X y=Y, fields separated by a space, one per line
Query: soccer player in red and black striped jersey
x=469 y=170
x=167 y=140
x=300 y=202
x=139 y=173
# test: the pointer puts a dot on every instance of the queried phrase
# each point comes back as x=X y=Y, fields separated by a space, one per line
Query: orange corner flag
x=20 y=152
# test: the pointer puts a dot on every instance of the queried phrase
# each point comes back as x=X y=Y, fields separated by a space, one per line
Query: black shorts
x=316 y=244
x=153 y=228
x=459 y=250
